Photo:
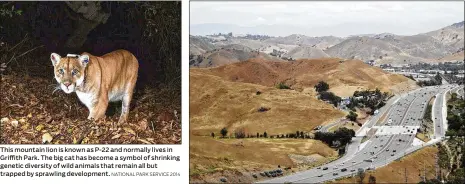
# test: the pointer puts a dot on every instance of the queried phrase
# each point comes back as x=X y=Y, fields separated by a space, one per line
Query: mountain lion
x=98 y=80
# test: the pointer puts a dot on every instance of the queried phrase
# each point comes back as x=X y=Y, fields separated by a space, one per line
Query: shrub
x=282 y=86
x=263 y=109
x=321 y=86
x=224 y=132
x=352 y=116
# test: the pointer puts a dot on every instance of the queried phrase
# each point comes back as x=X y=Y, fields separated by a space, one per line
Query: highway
x=393 y=138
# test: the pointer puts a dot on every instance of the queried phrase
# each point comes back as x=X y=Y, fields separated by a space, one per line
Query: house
x=358 y=97
x=345 y=101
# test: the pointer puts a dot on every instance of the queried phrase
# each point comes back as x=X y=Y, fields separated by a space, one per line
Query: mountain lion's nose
x=67 y=83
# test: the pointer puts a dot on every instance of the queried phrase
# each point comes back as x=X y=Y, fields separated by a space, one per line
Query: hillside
x=226 y=55
x=306 y=52
x=383 y=48
x=253 y=44
x=302 y=40
x=452 y=35
x=344 y=78
x=217 y=103
x=370 y=48
x=234 y=104
x=453 y=57
x=199 y=45
x=226 y=97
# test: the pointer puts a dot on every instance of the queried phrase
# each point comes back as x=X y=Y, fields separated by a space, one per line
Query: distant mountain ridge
x=383 y=48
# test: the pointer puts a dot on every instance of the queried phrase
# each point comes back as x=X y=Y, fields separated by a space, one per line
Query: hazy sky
x=319 y=18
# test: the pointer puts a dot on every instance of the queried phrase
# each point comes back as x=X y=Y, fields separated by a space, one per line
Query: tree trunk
x=86 y=16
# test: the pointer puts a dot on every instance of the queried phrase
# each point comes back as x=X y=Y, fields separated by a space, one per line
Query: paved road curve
x=392 y=140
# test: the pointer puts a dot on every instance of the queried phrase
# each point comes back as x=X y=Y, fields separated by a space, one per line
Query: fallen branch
x=24 y=53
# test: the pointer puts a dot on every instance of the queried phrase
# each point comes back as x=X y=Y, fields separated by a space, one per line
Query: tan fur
x=111 y=77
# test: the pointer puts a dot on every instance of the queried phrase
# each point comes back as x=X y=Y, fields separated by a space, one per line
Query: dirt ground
x=32 y=113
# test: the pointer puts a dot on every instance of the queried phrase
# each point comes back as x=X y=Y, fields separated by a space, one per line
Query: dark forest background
x=30 y=31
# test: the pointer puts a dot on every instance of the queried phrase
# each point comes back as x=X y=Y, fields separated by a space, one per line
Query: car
x=392 y=154
x=387 y=149
x=320 y=175
x=394 y=151
x=353 y=162
x=353 y=170
x=318 y=168
x=334 y=168
x=344 y=170
x=325 y=168
x=335 y=174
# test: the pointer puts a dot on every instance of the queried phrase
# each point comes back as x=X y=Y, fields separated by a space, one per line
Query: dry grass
x=422 y=137
x=394 y=172
x=225 y=96
x=213 y=155
x=348 y=124
x=343 y=78
x=216 y=103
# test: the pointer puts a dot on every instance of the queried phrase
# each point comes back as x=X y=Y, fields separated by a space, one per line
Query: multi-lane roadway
x=393 y=138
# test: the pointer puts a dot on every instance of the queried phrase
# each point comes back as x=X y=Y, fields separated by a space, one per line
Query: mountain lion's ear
x=55 y=58
x=84 y=59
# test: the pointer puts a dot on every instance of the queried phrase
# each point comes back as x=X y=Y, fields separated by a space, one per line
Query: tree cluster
x=323 y=93
x=437 y=80
x=456 y=117
x=372 y=99
x=342 y=135
x=352 y=116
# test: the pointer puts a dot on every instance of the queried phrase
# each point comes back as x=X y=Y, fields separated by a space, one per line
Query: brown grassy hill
x=228 y=55
x=344 y=78
x=216 y=103
x=226 y=96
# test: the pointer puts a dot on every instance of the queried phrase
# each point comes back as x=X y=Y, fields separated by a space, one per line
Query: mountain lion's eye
x=61 y=71
x=74 y=72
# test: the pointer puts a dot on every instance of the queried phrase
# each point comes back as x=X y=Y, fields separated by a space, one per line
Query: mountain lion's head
x=69 y=71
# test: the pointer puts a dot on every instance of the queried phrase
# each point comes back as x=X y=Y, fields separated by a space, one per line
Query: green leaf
x=19 y=12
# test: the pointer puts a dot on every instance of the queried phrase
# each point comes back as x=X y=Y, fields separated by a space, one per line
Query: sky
x=318 y=18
